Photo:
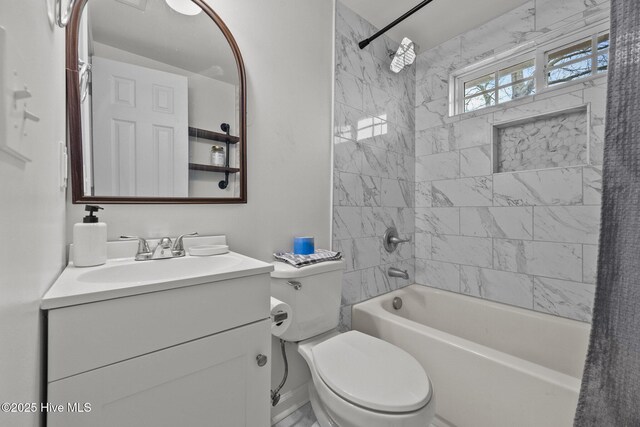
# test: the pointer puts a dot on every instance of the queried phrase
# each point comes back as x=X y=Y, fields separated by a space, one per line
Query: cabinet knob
x=261 y=359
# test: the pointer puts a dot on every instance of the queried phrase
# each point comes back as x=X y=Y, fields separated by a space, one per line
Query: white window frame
x=543 y=55
x=537 y=49
x=492 y=69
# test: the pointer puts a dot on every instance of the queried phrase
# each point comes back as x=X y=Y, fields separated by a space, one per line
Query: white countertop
x=123 y=276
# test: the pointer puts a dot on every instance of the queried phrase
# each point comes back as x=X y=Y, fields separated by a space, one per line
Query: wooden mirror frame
x=74 y=119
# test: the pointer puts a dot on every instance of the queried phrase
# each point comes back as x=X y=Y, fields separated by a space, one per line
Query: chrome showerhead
x=405 y=55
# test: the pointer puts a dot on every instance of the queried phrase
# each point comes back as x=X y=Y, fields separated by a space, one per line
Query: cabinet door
x=212 y=381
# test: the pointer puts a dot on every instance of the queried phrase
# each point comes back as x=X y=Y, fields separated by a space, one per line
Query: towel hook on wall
x=62 y=18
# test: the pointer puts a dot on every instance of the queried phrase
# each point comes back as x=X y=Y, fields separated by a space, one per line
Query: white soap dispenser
x=90 y=240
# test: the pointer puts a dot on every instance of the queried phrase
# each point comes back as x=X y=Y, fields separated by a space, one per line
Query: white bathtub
x=491 y=364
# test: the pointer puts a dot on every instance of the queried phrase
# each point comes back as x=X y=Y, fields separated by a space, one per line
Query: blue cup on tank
x=303 y=245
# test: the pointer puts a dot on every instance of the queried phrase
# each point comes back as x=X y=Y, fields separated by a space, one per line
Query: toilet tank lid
x=282 y=270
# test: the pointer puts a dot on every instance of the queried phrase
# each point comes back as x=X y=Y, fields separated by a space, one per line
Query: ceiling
x=153 y=30
x=435 y=23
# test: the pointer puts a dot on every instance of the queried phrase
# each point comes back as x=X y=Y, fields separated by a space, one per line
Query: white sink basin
x=135 y=272
x=121 y=277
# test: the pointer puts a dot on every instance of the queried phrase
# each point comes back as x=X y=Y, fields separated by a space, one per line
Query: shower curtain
x=610 y=394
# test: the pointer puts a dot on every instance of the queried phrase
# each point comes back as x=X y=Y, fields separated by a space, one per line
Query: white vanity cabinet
x=180 y=357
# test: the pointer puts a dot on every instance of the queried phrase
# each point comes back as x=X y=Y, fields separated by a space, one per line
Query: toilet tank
x=315 y=304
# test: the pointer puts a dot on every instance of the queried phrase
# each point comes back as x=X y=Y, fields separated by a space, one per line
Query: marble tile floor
x=301 y=417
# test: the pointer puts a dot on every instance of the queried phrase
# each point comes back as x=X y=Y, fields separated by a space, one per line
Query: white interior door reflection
x=140 y=131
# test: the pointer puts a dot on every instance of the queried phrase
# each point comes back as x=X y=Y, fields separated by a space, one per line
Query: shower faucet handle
x=391 y=240
x=397 y=240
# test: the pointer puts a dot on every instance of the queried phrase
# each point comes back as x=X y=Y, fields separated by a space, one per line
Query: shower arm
x=364 y=43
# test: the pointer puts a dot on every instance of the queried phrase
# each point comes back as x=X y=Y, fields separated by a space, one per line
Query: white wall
x=287 y=50
x=221 y=99
x=32 y=207
x=289 y=140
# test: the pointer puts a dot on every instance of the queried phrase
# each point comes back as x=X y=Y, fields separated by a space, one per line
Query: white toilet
x=358 y=380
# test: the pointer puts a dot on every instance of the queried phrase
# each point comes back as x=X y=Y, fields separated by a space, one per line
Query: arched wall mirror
x=156 y=104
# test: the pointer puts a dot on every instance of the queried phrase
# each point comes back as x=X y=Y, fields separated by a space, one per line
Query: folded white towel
x=298 y=261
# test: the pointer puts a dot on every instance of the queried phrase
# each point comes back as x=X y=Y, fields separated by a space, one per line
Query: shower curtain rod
x=364 y=43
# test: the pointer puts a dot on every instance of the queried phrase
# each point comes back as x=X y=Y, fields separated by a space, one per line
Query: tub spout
x=396 y=272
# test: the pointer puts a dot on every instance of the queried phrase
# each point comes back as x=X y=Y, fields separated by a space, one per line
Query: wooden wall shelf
x=209 y=168
x=213 y=136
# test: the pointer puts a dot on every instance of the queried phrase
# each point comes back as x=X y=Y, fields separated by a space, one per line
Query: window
x=500 y=86
x=586 y=58
x=553 y=59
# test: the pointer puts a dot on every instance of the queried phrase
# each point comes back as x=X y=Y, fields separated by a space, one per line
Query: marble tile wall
x=548 y=142
x=526 y=238
x=374 y=161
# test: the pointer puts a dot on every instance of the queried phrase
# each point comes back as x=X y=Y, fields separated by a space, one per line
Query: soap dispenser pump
x=90 y=240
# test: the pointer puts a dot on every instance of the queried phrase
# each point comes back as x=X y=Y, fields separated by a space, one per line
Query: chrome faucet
x=391 y=240
x=163 y=250
x=143 y=253
x=396 y=272
x=178 y=246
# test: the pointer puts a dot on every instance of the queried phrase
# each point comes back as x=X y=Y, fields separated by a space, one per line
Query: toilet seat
x=372 y=373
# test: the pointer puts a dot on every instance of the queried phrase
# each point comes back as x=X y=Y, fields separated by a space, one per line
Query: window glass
x=570 y=72
x=481 y=101
x=603 y=62
x=479 y=85
x=579 y=60
x=512 y=82
x=603 y=53
x=518 y=72
x=505 y=81
x=603 y=42
x=569 y=54
x=515 y=91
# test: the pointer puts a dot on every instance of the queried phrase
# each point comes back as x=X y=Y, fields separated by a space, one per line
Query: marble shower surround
x=526 y=238
x=374 y=161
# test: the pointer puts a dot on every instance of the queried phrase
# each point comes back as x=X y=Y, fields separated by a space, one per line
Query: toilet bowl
x=359 y=380
x=356 y=380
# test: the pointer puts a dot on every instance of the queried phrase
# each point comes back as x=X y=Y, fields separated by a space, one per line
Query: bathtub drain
x=397 y=303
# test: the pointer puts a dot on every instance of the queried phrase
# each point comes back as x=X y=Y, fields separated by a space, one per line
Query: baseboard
x=289 y=402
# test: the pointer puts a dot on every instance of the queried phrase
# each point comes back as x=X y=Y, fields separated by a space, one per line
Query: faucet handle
x=391 y=240
x=396 y=240
x=143 y=246
x=178 y=245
